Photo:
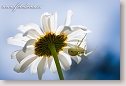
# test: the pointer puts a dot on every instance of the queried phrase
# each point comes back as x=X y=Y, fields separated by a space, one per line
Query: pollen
x=42 y=45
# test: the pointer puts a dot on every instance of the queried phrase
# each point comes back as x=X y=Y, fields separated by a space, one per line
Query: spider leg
x=86 y=54
x=82 y=39
x=77 y=42
x=84 y=58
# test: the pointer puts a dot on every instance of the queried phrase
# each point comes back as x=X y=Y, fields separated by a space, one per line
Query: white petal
x=23 y=65
x=24 y=28
x=21 y=55
x=53 y=22
x=27 y=63
x=32 y=33
x=28 y=49
x=13 y=55
x=73 y=40
x=18 y=40
x=50 y=61
x=77 y=27
x=66 y=28
x=77 y=34
x=73 y=43
x=51 y=64
x=53 y=68
x=29 y=42
x=41 y=67
x=44 y=21
x=68 y=18
x=17 y=68
x=65 y=60
x=34 y=65
x=65 y=50
x=59 y=29
x=76 y=58
x=83 y=44
x=63 y=28
x=21 y=37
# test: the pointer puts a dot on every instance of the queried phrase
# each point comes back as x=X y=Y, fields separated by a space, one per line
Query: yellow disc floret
x=42 y=45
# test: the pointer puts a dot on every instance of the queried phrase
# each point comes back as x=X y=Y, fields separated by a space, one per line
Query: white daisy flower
x=36 y=44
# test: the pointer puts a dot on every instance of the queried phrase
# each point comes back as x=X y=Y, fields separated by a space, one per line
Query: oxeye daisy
x=46 y=46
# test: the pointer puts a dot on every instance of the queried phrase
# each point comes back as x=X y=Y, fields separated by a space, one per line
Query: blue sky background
x=102 y=17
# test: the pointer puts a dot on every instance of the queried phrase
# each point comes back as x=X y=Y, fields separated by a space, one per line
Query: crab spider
x=77 y=50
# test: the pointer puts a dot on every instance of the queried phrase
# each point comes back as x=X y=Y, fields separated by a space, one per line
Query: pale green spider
x=77 y=50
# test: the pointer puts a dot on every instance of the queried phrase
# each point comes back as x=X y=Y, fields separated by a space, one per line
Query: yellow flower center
x=42 y=45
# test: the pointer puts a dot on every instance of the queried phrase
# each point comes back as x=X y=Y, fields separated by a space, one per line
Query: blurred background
x=102 y=17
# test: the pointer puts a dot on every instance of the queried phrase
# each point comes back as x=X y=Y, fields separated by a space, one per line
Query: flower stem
x=53 y=52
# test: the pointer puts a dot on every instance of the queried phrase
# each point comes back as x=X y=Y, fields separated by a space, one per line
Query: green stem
x=53 y=52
